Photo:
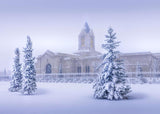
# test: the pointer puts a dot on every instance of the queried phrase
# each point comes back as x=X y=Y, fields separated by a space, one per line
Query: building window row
x=79 y=69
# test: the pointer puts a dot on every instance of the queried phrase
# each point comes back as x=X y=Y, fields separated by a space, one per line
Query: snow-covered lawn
x=69 y=98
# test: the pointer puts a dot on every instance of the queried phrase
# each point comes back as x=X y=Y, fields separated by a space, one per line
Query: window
x=87 y=69
x=60 y=68
x=79 y=69
x=48 y=69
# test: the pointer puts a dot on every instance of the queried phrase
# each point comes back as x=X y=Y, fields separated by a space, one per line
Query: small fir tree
x=29 y=85
x=140 y=75
x=16 y=79
x=111 y=82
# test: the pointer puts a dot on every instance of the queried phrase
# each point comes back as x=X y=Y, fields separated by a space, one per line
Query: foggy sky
x=56 y=24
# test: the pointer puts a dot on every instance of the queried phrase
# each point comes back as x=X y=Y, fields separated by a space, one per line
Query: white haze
x=56 y=25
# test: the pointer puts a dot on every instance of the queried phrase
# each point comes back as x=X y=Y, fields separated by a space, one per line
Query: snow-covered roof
x=52 y=54
x=91 y=57
x=137 y=53
x=48 y=52
x=92 y=52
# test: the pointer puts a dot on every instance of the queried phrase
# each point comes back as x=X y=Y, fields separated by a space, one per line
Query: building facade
x=146 y=60
x=87 y=59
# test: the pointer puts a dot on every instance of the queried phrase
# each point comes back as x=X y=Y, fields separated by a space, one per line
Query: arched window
x=79 y=69
x=87 y=69
x=48 y=69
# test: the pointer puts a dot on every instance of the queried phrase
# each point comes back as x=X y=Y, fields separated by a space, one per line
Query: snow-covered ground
x=71 y=98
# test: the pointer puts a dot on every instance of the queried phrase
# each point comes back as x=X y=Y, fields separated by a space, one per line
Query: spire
x=87 y=29
x=86 y=39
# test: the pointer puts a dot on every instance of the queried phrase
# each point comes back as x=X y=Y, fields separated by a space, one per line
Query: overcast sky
x=56 y=24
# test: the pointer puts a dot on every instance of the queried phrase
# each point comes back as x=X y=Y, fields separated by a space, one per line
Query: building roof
x=137 y=53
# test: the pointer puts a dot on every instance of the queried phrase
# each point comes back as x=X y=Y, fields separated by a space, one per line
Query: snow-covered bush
x=29 y=73
x=16 y=79
x=111 y=82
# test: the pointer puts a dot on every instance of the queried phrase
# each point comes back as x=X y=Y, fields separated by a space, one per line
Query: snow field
x=72 y=98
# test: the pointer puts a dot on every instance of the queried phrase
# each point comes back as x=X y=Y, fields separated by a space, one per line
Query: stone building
x=146 y=60
x=87 y=59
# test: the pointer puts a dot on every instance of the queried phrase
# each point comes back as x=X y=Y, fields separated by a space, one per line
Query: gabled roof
x=48 y=52
x=52 y=54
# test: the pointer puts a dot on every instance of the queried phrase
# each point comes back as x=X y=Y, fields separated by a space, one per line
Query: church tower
x=86 y=39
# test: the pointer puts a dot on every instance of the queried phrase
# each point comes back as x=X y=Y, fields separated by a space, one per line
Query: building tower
x=86 y=39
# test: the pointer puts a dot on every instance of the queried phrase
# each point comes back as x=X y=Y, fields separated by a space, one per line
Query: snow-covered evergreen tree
x=16 y=79
x=140 y=76
x=111 y=82
x=29 y=85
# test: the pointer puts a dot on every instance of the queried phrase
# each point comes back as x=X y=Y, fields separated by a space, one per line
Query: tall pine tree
x=16 y=79
x=29 y=85
x=111 y=82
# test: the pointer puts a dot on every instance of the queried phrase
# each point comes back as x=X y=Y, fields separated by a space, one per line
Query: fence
x=68 y=77
x=4 y=78
x=145 y=74
x=147 y=77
